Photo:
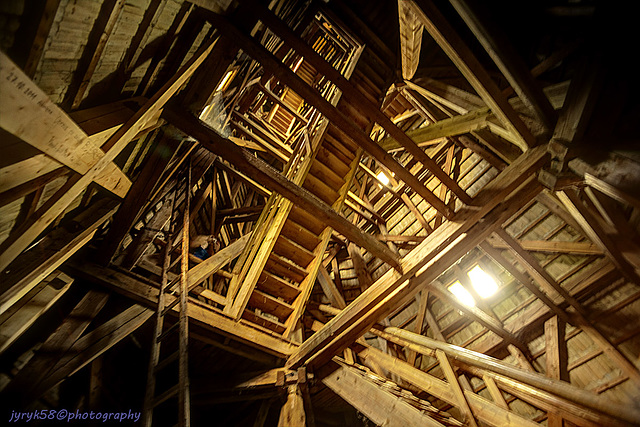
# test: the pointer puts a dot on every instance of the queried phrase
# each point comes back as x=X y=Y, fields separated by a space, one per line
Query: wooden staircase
x=280 y=264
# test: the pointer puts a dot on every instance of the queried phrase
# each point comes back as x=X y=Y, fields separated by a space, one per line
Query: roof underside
x=347 y=165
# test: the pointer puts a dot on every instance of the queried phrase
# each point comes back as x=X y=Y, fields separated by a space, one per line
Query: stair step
x=300 y=235
x=274 y=285
x=284 y=268
x=291 y=250
x=338 y=164
x=263 y=321
x=326 y=174
x=320 y=189
x=343 y=142
x=307 y=220
x=269 y=304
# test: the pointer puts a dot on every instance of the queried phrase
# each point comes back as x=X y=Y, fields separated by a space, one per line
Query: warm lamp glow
x=462 y=294
x=383 y=178
x=484 y=284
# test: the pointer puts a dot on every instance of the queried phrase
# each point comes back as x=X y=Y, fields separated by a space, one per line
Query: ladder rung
x=171 y=305
x=164 y=362
x=166 y=395
x=168 y=331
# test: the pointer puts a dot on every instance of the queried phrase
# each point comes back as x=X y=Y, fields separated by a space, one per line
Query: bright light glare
x=383 y=178
x=224 y=81
x=462 y=294
x=484 y=284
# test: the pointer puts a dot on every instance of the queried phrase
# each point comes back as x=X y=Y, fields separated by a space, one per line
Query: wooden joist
x=33 y=266
x=28 y=113
x=339 y=119
x=24 y=235
x=445 y=245
x=471 y=68
x=380 y=406
x=19 y=317
x=410 y=40
x=262 y=172
x=207 y=318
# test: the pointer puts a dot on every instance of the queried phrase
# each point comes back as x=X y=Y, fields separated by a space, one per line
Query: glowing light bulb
x=383 y=178
x=463 y=295
x=483 y=283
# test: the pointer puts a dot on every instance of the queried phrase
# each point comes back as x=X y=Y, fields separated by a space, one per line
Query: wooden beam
x=330 y=289
x=427 y=261
x=24 y=235
x=339 y=119
x=471 y=68
x=551 y=246
x=88 y=347
x=380 y=406
x=556 y=358
x=25 y=385
x=457 y=125
x=28 y=113
x=452 y=379
x=356 y=97
x=19 y=317
x=486 y=411
x=563 y=389
x=262 y=172
x=201 y=315
x=138 y=196
x=98 y=37
x=33 y=266
x=596 y=234
x=292 y=412
x=508 y=60
x=410 y=40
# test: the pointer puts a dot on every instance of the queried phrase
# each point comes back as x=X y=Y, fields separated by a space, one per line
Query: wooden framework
x=341 y=189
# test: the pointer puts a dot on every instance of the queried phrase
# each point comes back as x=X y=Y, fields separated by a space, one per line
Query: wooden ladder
x=172 y=294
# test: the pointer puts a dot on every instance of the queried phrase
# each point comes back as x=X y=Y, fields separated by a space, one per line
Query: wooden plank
x=201 y=316
x=552 y=246
x=28 y=113
x=471 y=68
x=262 y=172
x=17 y=319
x=104 y=24
x=380 y=406
x=509 y=62
x=33 y=266
x=25 y=234
x=457 y=125
x=485 y=410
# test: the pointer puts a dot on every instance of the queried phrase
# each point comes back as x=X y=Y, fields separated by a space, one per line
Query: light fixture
x=384 y=179
x=483 y=283
x=463 y=295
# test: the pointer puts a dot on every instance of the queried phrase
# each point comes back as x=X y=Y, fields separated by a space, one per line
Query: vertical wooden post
x=556 y=358
x=292 y=413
